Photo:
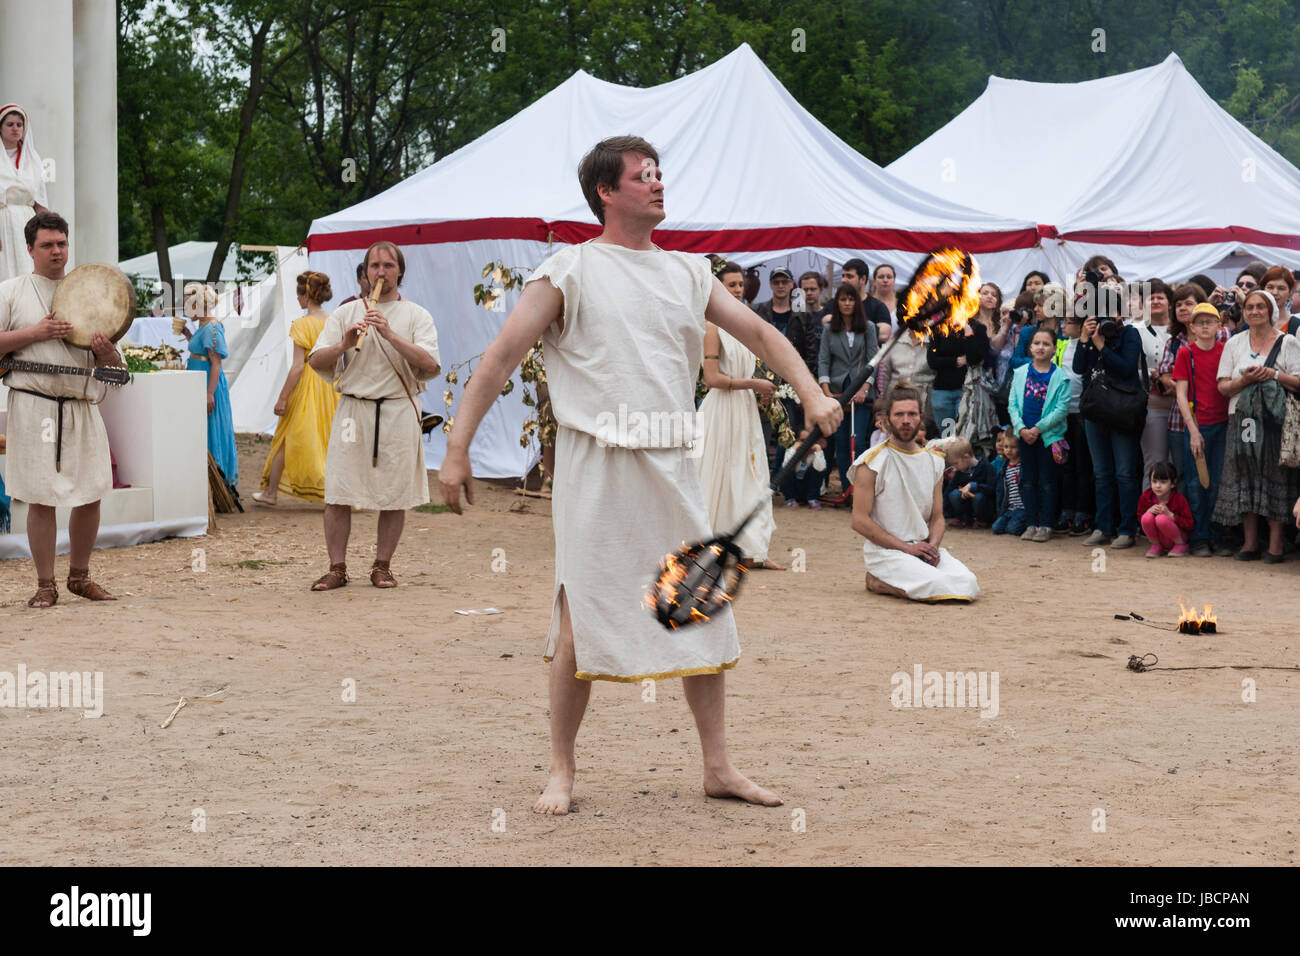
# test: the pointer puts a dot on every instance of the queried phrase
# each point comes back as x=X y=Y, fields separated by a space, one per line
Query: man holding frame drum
x=57 y=449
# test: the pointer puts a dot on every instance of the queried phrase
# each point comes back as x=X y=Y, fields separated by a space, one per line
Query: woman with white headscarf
x=22 y=190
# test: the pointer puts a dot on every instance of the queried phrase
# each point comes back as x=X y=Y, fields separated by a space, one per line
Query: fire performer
x=898 y=508
x=623 y=325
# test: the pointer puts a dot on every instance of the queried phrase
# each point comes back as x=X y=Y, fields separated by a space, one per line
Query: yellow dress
x=304 y=431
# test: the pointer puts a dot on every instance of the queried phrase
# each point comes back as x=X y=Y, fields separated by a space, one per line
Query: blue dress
x=221 y=425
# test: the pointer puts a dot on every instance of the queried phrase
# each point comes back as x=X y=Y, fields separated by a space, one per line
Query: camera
x=1228 y=311
x=1021 y=316
x=1101 y=301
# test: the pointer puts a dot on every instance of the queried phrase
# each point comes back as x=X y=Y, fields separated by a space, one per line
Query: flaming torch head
x=695 y=583
x=944 y=293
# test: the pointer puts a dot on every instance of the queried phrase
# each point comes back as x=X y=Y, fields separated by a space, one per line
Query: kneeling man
x=898 y=508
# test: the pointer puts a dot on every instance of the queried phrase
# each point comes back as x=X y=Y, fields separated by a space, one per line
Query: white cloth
x=633 y=336
x=398 y=479
x=1237 y=357
x=733 y=455
x=907 y=362
x=20 y=187
x=84 y=472
x=905 y=483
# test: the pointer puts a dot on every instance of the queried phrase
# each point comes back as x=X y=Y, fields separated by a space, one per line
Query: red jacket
x=1177 y=504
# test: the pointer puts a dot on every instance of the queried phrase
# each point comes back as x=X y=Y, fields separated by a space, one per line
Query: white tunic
x=621 y=374
x=733 y=457
x=397 y=479
x=22 y=183
x=905 y=483
x=39 y=468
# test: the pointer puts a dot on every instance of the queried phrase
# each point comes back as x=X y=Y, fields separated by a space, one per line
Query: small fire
x=693 y=583
x=944 y=293
x=1190 y=621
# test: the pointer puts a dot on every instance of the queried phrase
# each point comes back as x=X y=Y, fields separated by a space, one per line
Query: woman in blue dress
x=207 y=350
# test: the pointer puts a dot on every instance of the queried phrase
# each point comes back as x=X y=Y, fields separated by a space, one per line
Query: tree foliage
x=248 y=118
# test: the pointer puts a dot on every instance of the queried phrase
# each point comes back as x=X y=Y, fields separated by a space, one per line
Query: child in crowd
x=969 y=493
x=1011 y=518
x=1165 y=515
x=1078 y=486
x=1040 y=400
x=879 y=436
x=809 y=477
x=1205 y=413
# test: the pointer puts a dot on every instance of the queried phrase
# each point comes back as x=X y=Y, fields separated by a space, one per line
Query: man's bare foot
x=732 y=783
x=877 y=586
x=557 y=795
x=767 y=564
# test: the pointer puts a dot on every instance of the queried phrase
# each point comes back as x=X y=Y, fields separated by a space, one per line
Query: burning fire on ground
x=1190 y=621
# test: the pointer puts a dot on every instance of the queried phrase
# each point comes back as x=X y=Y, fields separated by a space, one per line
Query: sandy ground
x=442 y=753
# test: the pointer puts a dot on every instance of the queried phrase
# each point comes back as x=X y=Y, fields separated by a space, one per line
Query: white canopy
x=1144 y=167
x=748 y=172
x=189 y=261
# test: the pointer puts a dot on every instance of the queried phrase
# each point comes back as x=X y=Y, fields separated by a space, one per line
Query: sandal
x=335 y=577
x=47 y=593
x=381 y=577
x=79 y=583
x=260 y=498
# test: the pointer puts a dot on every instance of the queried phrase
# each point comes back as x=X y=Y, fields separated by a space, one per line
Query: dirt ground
x=442 y=753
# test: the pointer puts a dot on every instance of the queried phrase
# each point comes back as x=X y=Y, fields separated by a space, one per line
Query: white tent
x=749 y=173
x=189 y=260
x=1144 y=167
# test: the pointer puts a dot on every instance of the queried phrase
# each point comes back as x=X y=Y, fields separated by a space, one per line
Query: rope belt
x=379 y=404
x=58 y=446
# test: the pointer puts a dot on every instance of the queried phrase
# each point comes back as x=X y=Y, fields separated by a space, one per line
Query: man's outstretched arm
x=539 y=306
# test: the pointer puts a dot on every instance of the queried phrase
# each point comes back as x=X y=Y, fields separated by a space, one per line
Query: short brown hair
x=315 y=286
x=1188 y=290
x=397 y=253
x=44 y=220
x=603 y=166
x=902 y=392
x=1278 y=272
x=815 y=276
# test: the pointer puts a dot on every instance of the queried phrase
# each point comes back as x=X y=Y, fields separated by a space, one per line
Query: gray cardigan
x=837 y=359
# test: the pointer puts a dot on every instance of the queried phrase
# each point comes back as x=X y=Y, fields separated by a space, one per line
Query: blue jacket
x=1051 y=427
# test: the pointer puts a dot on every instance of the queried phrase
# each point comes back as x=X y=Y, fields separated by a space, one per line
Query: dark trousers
x=1038 y=477
x=1117 y=470
x=860 y=417
x=1201 y=499
x=979 y=508
x=1078 y=488
x=806 y=487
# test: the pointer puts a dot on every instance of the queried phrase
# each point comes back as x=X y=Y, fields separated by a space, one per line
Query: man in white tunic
x=57 y=452
x=623 y=323
x=898 y=508
x=376 y=457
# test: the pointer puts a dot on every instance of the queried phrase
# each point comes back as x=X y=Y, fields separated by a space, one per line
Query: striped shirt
x=1012 y=477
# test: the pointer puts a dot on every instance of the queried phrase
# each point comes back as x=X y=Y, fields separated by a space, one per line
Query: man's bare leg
x=42 y=529
x=877 y=586
x=338 y=527
x=390 y=532
x=83 y=528
x=569 y=696
x=706 y=694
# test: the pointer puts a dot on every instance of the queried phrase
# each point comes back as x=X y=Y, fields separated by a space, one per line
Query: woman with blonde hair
x=296 y=464
x=207 y=351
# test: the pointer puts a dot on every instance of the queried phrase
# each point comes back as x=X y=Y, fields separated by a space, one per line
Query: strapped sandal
x=381 y=577
x=79 y=583
x=46 y=591
x=335 y=577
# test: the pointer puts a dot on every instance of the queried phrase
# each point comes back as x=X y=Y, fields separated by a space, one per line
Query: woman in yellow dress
x=306 y=406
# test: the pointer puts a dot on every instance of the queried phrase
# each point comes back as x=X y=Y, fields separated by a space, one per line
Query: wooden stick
x=204 y=699
x=375 y=293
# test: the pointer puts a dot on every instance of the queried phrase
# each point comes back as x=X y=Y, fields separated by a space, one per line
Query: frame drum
x=95 y=298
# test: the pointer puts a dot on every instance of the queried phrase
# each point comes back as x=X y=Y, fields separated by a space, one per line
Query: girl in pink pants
x=1165 y=515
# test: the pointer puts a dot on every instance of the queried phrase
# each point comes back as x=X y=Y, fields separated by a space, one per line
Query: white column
x=94 y=33
x=36 y=67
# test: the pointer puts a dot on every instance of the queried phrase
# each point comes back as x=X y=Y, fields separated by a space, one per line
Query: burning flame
x=944 y=293
x=1190 y=621
x=686 y=584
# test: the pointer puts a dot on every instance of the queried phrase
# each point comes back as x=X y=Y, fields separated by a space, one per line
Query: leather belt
x=58 y=444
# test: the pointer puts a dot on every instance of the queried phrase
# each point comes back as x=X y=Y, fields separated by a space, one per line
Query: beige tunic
x=84 y=473
x=905 y=483
x=626 y=492
x=397 y=480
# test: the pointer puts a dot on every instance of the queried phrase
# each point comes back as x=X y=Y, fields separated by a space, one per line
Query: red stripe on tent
x=684 y=240
x=1179 y=237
